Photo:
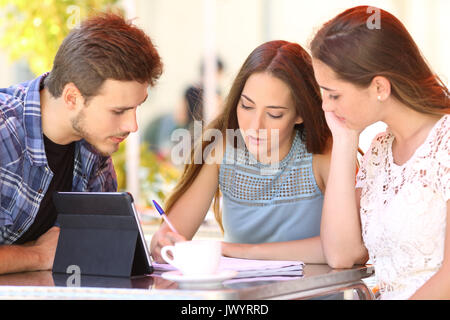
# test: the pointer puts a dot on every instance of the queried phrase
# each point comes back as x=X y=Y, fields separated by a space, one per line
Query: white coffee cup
x=196 y=257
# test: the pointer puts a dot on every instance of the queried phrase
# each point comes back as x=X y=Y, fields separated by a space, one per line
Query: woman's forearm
x=19 y=258
x=306 y=250
x=436 y=288
x=340 y=225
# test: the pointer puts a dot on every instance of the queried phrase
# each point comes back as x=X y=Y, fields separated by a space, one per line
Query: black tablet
x=100 y=234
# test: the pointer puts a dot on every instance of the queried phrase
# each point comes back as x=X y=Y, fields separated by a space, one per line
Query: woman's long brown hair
x=288 y=62
x=357 y=54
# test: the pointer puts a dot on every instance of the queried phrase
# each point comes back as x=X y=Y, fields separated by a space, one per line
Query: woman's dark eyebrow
x=271 y=107
x=276 y=107
x=243 y=95
x=327 y=89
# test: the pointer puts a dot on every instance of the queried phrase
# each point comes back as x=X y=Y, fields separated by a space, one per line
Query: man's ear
x=380 y=88
x=72 y=97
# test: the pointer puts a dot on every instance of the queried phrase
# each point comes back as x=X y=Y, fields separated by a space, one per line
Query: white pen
x=164 y=216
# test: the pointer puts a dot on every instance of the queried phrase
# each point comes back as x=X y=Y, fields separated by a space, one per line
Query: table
x=318 y=280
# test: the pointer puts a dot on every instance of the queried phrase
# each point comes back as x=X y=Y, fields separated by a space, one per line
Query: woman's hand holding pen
x=163 y=237
x=167 y=235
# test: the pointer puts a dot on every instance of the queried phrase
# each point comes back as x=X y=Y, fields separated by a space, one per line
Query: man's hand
x=31 y=256
x=45 y=247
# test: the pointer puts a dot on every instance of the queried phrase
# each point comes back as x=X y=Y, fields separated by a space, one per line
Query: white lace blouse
x=403 y=210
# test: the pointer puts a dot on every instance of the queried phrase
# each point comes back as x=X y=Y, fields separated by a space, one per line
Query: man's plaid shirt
x=24 y=171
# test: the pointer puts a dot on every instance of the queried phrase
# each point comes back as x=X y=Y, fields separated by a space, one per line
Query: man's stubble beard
x=78 y=127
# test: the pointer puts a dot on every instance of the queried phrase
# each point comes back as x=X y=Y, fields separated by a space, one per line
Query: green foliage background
x=33 y=30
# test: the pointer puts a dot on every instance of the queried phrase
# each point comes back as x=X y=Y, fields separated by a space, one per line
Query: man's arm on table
x=31 y=256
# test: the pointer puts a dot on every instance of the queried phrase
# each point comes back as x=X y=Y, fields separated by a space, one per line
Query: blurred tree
x=34 y=30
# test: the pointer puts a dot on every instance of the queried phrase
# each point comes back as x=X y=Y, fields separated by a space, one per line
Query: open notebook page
x=251 y=268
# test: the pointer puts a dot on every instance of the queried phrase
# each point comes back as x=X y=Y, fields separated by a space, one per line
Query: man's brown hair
x=105 y=46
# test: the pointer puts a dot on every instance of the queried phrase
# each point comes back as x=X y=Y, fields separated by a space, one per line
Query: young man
x=57 y=132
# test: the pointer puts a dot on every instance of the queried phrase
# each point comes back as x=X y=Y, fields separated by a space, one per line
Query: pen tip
x=157 y=206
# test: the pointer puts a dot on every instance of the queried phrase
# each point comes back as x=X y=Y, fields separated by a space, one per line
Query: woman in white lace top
x=370 y=70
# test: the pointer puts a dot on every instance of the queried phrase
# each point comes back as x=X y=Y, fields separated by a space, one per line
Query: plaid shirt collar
x=34 y=142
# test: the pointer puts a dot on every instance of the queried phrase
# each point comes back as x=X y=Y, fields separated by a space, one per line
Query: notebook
x=248 y=268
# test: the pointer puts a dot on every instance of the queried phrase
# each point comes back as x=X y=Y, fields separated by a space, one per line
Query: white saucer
x=199 y=280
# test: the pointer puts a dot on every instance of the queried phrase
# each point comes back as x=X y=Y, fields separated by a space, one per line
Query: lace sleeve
x=371 y=156
x=443 y=157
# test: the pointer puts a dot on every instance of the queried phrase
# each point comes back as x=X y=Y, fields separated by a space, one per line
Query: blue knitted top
x=264 y=203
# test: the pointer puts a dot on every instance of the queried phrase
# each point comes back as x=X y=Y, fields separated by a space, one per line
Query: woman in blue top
x=269 y=160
